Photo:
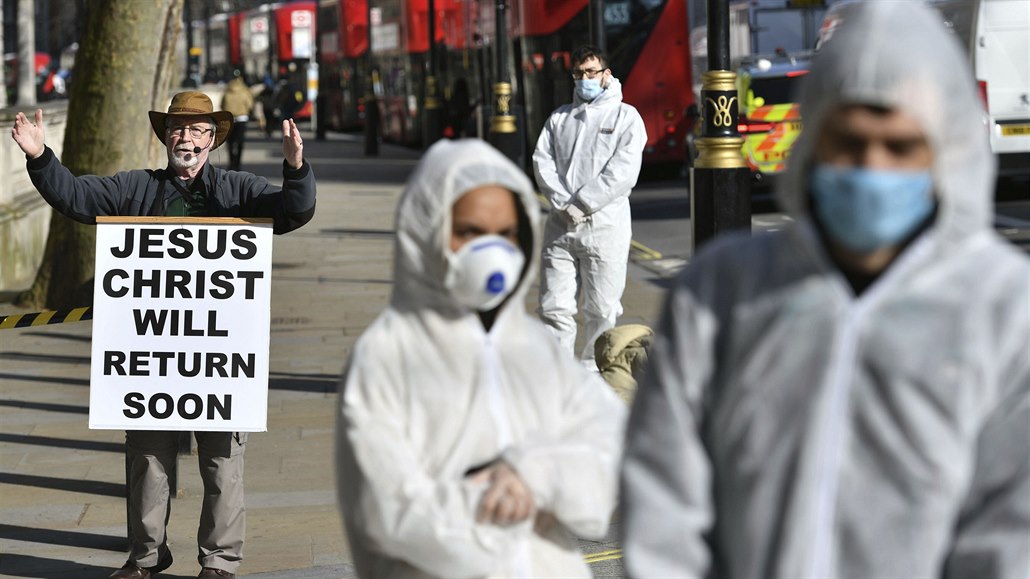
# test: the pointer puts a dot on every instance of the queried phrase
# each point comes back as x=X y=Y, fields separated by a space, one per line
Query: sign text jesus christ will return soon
x=181 y=324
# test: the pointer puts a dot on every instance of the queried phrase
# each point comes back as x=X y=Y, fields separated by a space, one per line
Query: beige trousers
x=151 y=456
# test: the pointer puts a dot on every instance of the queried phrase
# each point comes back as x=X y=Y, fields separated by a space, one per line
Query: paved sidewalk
x=62 y=506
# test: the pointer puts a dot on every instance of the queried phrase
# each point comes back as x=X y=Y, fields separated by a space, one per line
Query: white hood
x=872 y=60
x=423 y=223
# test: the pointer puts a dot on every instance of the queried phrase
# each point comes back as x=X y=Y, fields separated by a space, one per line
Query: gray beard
x=181 y=163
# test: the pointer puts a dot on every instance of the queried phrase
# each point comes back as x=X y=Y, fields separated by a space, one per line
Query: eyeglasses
x=195 y=132
x=586 y=73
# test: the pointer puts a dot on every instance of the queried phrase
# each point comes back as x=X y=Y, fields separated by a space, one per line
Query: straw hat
x=191 y=104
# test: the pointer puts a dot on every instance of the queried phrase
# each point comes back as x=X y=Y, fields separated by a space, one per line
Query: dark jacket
x=150 y=191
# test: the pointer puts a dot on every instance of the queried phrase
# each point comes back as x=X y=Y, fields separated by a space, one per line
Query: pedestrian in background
x=850 y=396
x=239 y=101
x=587 y=160
x=189 y=186
x=469 y=444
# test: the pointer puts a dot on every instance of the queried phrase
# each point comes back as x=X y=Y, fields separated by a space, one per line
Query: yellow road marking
x=649 y=253
x=603 y=556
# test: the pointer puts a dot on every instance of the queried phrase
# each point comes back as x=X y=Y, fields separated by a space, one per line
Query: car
x=769 y=114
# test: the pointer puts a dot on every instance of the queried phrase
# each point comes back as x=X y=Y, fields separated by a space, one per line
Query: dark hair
x=586 y=51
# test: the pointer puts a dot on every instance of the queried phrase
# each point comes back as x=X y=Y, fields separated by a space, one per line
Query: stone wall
x=24 y=216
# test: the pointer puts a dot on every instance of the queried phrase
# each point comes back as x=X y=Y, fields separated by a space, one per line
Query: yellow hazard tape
x=603 y=556
x=46 y=318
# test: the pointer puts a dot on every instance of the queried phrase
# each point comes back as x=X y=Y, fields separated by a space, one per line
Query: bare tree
x=122 y=70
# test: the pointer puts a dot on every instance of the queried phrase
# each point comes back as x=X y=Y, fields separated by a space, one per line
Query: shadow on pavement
x=46 y=406
x=62 y=336
x=93 y=487
x=44 y=358
x=322 y=383
x=63 y=442
x=42 y=568
x=48 y=379
x=63 y=539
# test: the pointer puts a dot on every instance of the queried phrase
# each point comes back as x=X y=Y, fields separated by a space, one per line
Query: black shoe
x=131 y=570
x=212 y=573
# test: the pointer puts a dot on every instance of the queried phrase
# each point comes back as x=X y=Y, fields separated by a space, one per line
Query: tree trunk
x=122 y=70
x=26 y=53
x=3 y=76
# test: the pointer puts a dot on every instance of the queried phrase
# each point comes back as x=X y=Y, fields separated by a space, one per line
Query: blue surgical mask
x=865 y=210
x=588 y=88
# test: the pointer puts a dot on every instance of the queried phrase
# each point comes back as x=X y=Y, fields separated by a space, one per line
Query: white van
x=996 y=34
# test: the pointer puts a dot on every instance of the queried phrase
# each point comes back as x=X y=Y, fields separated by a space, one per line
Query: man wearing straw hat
x=189 y=186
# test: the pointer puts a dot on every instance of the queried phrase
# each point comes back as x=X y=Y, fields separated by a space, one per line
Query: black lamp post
x=432 y=110
x=503 y=126
x=597 y=32
x=371 y=100
x=720 y=187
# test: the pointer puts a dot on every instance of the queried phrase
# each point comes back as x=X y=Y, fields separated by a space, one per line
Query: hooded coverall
x=429 y=394
x=588 y=155
x=788 y=427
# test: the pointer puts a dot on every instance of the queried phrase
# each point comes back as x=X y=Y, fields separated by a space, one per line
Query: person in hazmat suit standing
x=587 y=161
x=468 y=443
x=850 y=396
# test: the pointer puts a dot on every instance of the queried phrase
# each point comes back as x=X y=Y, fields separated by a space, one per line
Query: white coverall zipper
x=498 y=409
x=835 y=417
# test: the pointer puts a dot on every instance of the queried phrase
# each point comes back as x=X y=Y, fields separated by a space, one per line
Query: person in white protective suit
x=586 y=161
x=848 y=397
x=469 y=444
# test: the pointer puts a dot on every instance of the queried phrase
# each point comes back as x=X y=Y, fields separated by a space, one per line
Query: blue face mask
x=864 y=210
x=588 y=88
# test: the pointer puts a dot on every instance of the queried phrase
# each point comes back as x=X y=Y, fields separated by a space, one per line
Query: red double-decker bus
x=648 y=51
x=648 y=46
x=277 y=44
x=647 y=41
x=342 y=43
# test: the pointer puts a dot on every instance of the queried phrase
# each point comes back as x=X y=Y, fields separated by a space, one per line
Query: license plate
x=1015 y=130
x=794 y=127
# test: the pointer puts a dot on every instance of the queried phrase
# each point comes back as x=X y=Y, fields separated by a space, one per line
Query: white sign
x=301 y=42
x=386 y=37
x=301 y=19
x=259 y=43
x=375 y=14
x=181 y=324
x=259 y=24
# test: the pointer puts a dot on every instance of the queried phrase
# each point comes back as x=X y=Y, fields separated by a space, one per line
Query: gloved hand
x=575 y=214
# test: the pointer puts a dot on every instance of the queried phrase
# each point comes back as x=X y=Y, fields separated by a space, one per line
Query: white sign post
x=181 y=324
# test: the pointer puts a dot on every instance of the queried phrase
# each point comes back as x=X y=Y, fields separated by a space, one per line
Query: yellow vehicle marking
x=1015 y=130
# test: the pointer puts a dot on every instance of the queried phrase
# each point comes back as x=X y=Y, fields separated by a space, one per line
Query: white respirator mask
x=483 y=272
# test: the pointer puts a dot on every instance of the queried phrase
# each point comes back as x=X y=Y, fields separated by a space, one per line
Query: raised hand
x=293 y=145
x=28 y=135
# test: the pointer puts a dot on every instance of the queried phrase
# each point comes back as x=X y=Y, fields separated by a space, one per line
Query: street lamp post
x=720 y=192
x=597 y=32
x=431 y=108
x=503 y=126
x=371 y=102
